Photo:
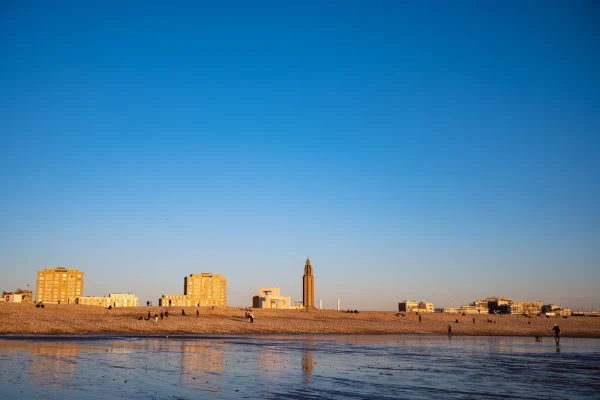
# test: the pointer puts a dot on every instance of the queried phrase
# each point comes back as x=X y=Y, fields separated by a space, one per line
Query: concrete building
x=113 y=299
x=505 y=306
x=555 y=310
x=550 y=307
x=566 y=312
x=26 y=296
x=522 y=307
x=100 y=301
x=203 y=289
x=415 y=306
x=12 y=298
x=56 y=285
x=270 y=297
x=209 y=289
x=467 y=309
x=474 y=309
x=495 y=304
x=308 y=286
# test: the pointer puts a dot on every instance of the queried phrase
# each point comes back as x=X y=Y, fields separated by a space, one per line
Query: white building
x=270 y=297
x=415 y=306
x=13 y=298
x=113 y=299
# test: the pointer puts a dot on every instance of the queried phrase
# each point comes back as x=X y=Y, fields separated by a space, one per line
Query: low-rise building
x=521 y=307
x=566 y=312
x=101 y=301
x=184 y=300
x=467 y=309
x=555 y=310
x=415 y=306
x=123 y=299
x=25 y=295
x=549 y=308
x=499 y=304
x=113 y=299
x=270 y=297
x=13 y=298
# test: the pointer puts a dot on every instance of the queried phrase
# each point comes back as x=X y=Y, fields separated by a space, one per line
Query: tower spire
x=308 y=286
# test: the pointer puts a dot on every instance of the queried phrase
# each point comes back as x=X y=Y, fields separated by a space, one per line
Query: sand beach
x=63 y=319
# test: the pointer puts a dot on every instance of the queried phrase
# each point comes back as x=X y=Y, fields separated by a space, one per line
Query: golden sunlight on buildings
x=55 y=285
x=203 y=289
x=113 y=299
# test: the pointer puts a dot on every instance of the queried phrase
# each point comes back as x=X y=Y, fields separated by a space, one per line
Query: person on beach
x=556 y=330
x=419 y=318
x=473 y=320
x=169 y=302
x=162 y=315
x=147 y=304
x=167 y=314
x=251 y=318
x=197 y=313
x=449 y=330
x=148 y=315
x=156 y=318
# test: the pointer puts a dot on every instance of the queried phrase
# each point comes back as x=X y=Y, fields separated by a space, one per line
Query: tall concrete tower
x=308 y=286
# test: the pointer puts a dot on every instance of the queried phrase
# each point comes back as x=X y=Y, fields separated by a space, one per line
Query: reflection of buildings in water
x=202 y=360
x=53 y=363
x=307 y=362
x=268 y=359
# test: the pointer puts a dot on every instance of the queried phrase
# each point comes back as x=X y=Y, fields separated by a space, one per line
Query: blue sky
x=444 y=152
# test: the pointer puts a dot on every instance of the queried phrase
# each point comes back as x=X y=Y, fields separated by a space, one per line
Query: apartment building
x=56 y=285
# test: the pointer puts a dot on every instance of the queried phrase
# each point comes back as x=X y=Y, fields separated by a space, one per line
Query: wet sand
x=334 y=367
x=67 y=319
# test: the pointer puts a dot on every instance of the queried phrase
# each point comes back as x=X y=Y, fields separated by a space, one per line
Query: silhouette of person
x=556 y=330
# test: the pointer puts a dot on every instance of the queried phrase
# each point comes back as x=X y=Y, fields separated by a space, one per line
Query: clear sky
x=439 y=151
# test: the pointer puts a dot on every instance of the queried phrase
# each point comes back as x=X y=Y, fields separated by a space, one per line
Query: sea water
x=299 y=367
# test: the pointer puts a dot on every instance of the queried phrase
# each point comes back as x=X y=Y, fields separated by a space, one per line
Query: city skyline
x=445 y=152
x=308 y=265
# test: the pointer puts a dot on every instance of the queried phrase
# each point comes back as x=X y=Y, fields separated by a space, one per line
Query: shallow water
x=300 y=367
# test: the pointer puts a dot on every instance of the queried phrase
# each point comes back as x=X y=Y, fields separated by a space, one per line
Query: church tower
x=308 y=286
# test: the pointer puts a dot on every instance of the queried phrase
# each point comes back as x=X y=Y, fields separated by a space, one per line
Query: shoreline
x=78 y=321
x=260 y=335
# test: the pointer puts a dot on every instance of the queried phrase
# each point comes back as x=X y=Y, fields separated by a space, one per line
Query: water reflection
x=333 y=367
x=47 y=363
x=54 y=363
x=307 y=362
x=202 y=363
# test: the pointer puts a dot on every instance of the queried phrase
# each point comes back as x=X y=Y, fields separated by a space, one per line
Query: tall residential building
x=203 y=289
x=55 y=285
x=308 y=286
x=209 y=289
